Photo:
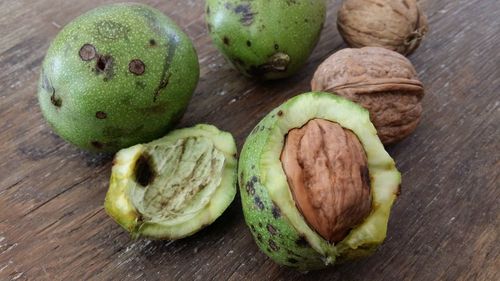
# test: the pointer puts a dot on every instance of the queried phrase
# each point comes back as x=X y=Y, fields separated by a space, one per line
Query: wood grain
x=444 y=226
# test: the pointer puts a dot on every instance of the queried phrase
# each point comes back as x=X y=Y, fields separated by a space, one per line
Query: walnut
x=327 y=172
x=382 y=81
x=397 y=25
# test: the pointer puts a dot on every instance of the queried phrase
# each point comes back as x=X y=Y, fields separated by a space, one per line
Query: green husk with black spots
x=265 y=39
x=278 y=227
x=117 y=75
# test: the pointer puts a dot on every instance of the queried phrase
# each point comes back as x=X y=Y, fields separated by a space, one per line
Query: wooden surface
x=444 y=226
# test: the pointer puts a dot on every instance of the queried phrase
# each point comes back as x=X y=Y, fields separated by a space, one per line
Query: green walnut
x=174 y=186
x=268 y=39
x=116 y=76
x=315 y=182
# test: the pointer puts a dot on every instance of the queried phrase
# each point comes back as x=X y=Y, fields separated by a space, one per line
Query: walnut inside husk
x=382 y=81
x=397 y=25
x=327 y=172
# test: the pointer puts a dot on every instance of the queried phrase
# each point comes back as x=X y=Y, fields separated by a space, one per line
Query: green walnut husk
x=277 y=225
x=265 y=39
x=116 y=76
x=174 y=186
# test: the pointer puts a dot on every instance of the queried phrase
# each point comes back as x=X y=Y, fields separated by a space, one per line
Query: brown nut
x=327 y=172
x=382 y=81
x=397 y=25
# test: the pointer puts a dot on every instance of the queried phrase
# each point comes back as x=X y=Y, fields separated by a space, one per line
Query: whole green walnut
x=265 y=39
x=397 y=25
x=316 y=183
x=118 y=75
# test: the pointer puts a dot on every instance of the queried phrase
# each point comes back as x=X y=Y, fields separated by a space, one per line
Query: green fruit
x=116 y=76
x=268 y=39
x=270 y=210
x=174 y=186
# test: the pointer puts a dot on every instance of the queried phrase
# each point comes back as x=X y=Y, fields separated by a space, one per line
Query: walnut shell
x=327 y=170
x=397 y=25
x=382 y=81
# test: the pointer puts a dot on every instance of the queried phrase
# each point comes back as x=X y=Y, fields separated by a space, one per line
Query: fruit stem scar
x=279 y=61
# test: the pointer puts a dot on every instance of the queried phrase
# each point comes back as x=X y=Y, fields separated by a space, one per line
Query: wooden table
x=444 y=226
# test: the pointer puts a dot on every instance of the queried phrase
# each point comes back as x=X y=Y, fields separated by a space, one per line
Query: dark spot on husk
x=87 y=52
x=245 y=12
x=258 y=203
x=365 y=175
x=250 y=185
x=140 y=84
x=137 y=67
x=249 y=44
x=104 y=65
x=173 y=42
x=208 y=10
x=291 y=2
x=252 y=227
x=260 y=224
x=56 y=101
x=101 y=115
x=292 y=260
x=280 y=113
x=272 y=229
x=225 y=40
x=276 y=211
x=273 y=245
x=292 y=253
x=253 y=167
x=143 y=171
x=152 y=42
x=163 y=83
x=276 y=46
x=302 y=242
x=250 y=188
x=97 y=144
x=259 y=237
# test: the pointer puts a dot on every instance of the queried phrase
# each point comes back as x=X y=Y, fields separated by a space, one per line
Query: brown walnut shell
x=382 y=81
x=327 y=171
x=397 y=25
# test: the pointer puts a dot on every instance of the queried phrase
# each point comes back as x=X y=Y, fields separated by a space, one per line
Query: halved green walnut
x=174 y=186
x=316 y=183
